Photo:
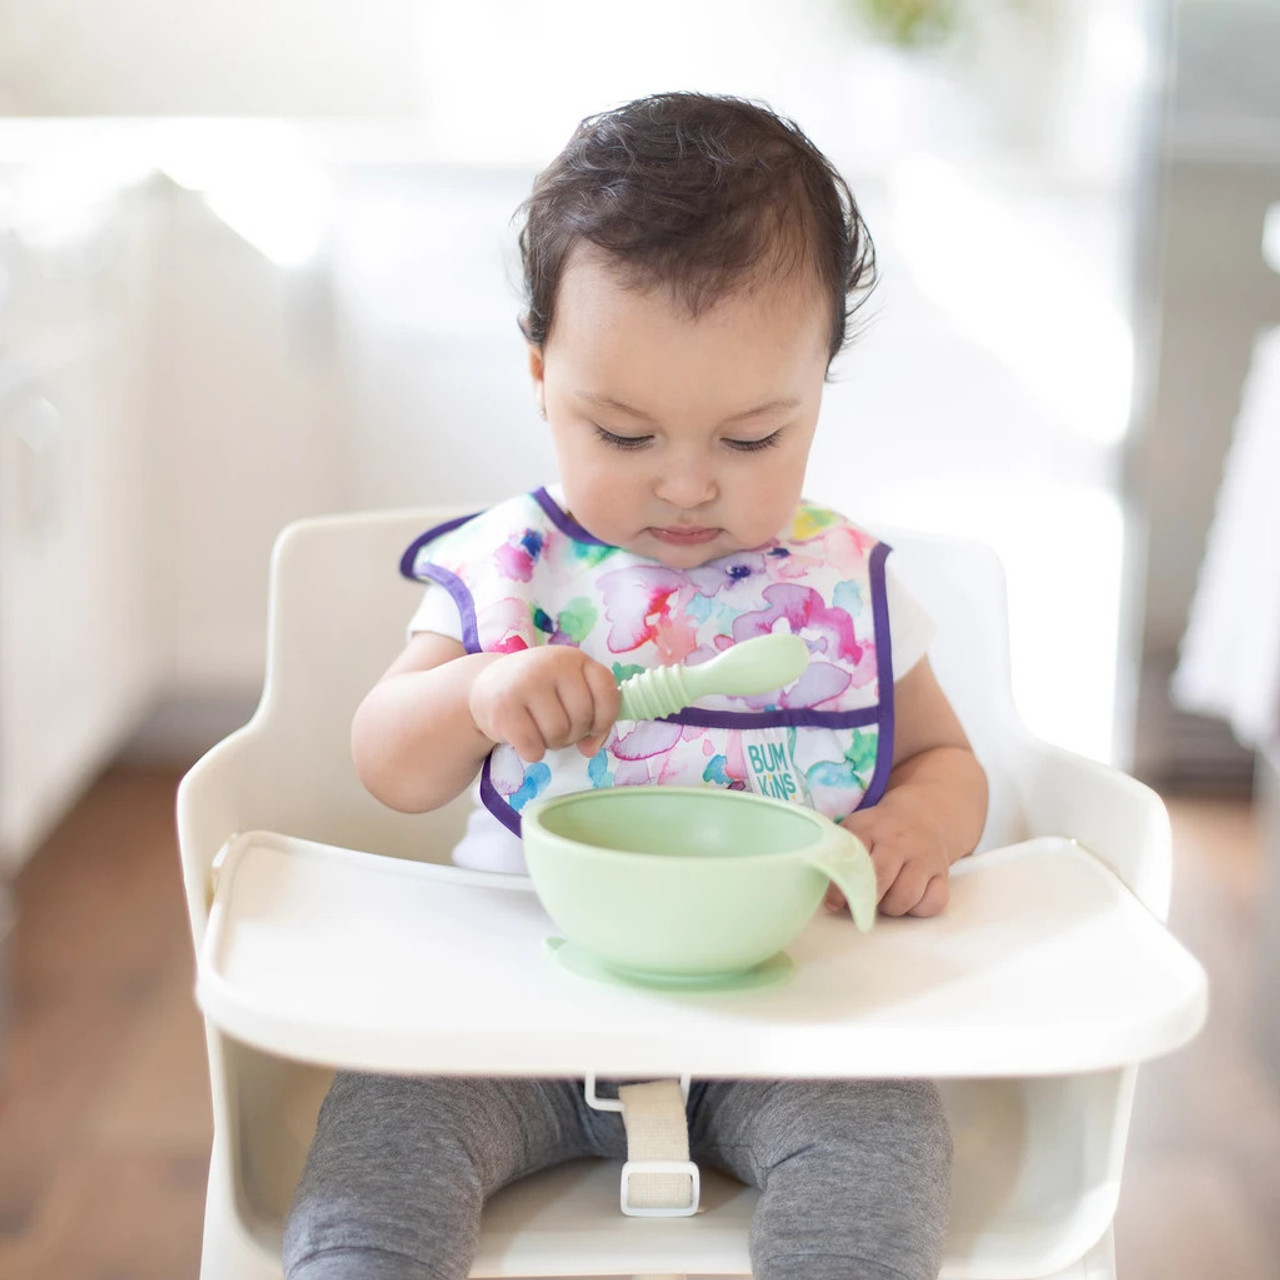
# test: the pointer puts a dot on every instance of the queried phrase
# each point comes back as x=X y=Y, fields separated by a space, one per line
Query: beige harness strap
x=657 y=1172
x=658 y=1178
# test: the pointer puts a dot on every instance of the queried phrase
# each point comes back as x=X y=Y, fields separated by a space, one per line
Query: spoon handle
x=653 y=694
x=755 y=666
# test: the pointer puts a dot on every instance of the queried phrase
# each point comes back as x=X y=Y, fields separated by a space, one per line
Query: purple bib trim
x=797 y=717
x=884 y=677
x=407 y=561
x=564 y=521
x=492 y=801
x=454 y=585
x=463 y=598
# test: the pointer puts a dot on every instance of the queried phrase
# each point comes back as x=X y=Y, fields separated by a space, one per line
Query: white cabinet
x=81 y=653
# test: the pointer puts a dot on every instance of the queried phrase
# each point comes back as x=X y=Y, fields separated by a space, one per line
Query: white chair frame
x=1038 y=1157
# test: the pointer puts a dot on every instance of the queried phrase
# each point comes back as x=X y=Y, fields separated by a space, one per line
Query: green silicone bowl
x=671 y=883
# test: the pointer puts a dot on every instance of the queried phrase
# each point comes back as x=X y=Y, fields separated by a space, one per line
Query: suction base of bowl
x=777 y=968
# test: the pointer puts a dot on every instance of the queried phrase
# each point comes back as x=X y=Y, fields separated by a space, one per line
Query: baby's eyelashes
x=629 y=443
x=621 y=442
x=751 y=446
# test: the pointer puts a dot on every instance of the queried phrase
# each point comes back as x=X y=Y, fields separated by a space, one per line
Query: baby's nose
x=687 y=486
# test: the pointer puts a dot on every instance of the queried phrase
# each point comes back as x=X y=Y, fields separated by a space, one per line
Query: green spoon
x=755 y=666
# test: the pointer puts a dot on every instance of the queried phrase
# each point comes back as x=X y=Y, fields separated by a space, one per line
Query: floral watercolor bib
x=525 y=573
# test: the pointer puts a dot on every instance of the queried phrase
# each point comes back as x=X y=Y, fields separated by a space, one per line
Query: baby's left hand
x=909 y=855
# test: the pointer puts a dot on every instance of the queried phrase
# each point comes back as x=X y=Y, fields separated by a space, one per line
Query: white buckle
x=686 y=1167
x=594 y=1101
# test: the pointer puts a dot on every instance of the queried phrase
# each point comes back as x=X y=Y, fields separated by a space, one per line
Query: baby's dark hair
x=698 y=194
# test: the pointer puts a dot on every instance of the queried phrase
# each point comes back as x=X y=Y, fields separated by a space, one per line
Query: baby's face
x=682 y=440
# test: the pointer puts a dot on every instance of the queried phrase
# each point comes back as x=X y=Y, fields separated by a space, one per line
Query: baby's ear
x=536 y=370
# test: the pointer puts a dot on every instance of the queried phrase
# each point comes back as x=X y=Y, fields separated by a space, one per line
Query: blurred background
x=256 y=263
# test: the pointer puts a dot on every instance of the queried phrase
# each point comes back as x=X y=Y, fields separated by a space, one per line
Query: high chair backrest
x=962 y=584
x=337 y=617
x=339 y=609
x=338 y=613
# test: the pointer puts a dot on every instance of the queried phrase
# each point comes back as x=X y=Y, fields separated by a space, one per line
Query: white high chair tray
x=1043 y=963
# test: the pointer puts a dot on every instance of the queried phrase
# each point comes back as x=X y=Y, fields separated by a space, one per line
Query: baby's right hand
x=544 y=698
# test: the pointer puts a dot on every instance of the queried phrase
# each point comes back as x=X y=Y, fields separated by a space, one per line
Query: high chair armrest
x=1116 y=817
x=210 y=801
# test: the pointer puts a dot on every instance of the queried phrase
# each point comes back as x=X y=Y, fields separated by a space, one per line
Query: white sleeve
x=438 y=612
x=910 y=626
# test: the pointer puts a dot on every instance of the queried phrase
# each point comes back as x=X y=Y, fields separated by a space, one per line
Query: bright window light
x=1271 y=238
x=1117 y=47
x=61 y=199
x=1063 y=552
x=983 y=266
x=259 y=178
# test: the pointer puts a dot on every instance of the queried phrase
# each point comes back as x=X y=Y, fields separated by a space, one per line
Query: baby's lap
x=775 y=1117
x=766 y=1115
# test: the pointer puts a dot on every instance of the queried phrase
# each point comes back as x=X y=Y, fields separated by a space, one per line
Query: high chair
x=325 y=936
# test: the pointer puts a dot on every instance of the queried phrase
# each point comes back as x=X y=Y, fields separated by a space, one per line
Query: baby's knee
x=896 y=1112
x=872 y=1115
x=389 y=1188
x=858 y=1182
x=887 y=1137
x=359 y=1264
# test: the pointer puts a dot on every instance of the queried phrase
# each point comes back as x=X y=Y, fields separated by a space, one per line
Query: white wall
x=388 y=370
x=251 y=429
x=232 y=57
x=426 y=299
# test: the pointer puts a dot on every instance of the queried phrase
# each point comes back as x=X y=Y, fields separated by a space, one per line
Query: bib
x=525 y=573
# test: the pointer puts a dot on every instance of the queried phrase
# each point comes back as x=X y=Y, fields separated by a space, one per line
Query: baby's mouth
x=684 y=535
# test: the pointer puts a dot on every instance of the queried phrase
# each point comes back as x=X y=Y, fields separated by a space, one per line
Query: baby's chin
x=689 y=555
x=671 y=555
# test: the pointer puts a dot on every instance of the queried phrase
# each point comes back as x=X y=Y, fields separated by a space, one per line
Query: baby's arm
x=935 y=805
x=423 y=731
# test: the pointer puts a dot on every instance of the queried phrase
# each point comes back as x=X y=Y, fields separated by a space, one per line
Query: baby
x=691 y=263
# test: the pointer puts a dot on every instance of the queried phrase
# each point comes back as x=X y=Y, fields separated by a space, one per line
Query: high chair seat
x=328 y=935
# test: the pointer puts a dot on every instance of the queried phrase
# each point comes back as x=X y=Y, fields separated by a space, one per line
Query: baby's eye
x=622 y=442
x=751 y=446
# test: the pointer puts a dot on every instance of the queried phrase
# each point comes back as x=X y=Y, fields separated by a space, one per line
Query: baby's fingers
x=887 y=862
x=604 y=699
x=553 y=720
x=521 y=730
x=579 y=709
x=906 y=891
x=936 y=896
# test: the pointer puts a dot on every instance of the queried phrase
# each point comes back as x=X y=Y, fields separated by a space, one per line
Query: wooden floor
x=104 y=1108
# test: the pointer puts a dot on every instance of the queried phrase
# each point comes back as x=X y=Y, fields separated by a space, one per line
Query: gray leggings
x=854 y=1175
